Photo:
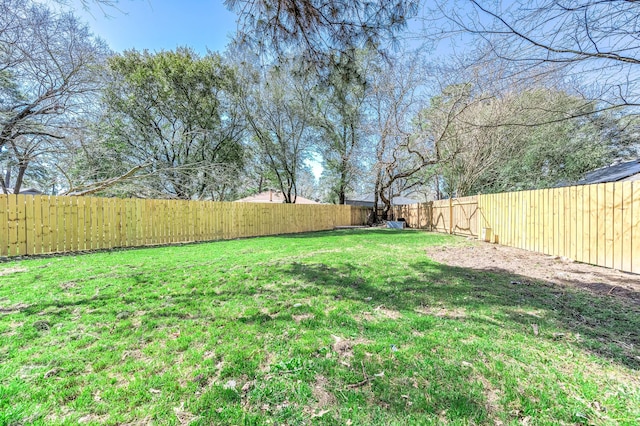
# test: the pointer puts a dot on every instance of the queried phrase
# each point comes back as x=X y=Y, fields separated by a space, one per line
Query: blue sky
x=161 y=24
x=164 y=24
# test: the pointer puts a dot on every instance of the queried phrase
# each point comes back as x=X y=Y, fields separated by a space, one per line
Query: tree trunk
x=375 y=199
x=6 y=181
x=260 y=183
x=386 y=201
x=22 y=168
x=343 y=183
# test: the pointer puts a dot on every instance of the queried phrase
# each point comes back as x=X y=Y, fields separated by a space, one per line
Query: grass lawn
x=345 y=328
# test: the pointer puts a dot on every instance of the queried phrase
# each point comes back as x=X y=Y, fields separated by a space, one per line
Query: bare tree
x=592 y=41
x=401 y=151
x=47 y=77
x=277 y=108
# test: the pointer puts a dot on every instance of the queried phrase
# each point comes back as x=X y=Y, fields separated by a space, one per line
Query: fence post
x=431 y=215
x=450 y=215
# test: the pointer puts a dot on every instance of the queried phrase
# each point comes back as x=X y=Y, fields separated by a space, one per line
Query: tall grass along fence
x=47 y=224
x=597 y=224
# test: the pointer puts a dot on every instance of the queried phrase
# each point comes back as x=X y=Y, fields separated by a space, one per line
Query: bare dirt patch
x=388 y=313
x=265 y=365
x=344 y=347
x=184 y=417
x=68 y=285
x=13 y=308
x=272 y=315
x=540 y=267
x=320 y=393
x=365 y=316
x=8 y=271
x=325 y=400
x=93 y=418
x=135 y=354
x=491 y=393
x=378 y=314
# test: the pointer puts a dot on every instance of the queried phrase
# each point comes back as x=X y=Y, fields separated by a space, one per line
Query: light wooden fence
x=455 y=216
x=416 y=215
x=360 y=215
x=597 y=224
x=43 y=224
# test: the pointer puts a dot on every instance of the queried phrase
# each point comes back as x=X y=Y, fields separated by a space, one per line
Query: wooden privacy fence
x=455 y=216
x=360 y=215
x=416 y=215
x=47 y=224
x=597 y=224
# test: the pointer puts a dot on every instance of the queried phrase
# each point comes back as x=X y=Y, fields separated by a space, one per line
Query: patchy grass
x=346 y=327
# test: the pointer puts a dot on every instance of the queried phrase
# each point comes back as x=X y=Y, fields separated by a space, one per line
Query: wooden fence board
x=618 y=206
x=626 y=249
x=593 y=224
x=21 y=219
x=635 y=231
x=609 y=225
x=599 y=256
x=29 y=225
x=12 y=231
x=4 y=226
x=64 y=218
x=45 y=205
x=80 y=228
x=579 y=231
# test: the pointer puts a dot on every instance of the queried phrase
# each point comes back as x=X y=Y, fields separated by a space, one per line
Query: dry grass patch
x=388 y=313
x=11 y=309
x=302 y=317
x=12 y=270
x=322 y=396
x=442 y=312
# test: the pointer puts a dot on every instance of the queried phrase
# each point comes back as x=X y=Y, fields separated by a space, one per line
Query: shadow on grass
x=600 y=324
x=351 y=232
x=606 y=326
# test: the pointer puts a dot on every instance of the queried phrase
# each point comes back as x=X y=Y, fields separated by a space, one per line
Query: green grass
x=345 y=327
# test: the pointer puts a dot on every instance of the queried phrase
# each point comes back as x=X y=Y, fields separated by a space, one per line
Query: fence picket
x=635 y=227
x=4 y=227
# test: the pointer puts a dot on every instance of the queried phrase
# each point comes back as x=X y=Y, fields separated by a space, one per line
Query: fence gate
x=454 y=216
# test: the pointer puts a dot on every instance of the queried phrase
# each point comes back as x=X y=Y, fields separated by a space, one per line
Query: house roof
x=275 y=197
x=611 y=173
x=396 y=201
x=28 y=191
